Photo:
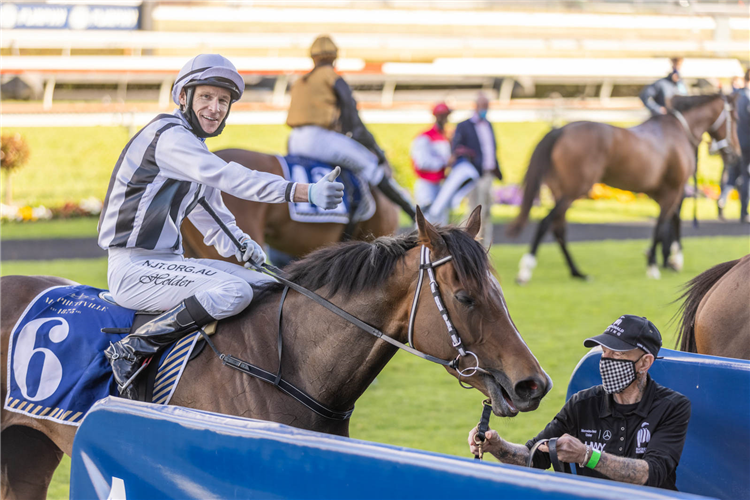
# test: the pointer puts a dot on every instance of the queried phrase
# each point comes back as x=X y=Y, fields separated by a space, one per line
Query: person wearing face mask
x=165 y=174
x=474 y=145
x=628 y=429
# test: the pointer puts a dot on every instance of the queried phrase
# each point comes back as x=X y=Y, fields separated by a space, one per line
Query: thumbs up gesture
x=327 y=193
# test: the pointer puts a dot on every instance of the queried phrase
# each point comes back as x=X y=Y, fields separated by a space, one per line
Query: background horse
x=270 y=222
x=656 y=157
x=715 y=314
x=324 y=355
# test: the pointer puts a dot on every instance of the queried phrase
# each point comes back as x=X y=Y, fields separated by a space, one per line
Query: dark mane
x=354 y=267
x=685 y=102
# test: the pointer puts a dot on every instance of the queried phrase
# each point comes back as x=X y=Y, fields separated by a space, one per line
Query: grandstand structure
x=395 y=54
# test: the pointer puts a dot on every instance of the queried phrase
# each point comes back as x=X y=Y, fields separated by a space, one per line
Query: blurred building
x=393 y=53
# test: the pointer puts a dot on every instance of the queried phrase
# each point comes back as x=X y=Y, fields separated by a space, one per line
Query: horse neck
x=334 y=360
x=701 y=118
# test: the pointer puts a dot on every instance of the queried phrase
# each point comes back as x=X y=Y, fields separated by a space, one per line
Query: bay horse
x=270 y=222
x=715 y=313
x=324 y=355
x=656 y=157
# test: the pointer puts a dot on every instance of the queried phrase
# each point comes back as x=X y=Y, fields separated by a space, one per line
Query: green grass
x=71 y=164
x=416 y=404
x=61 y=228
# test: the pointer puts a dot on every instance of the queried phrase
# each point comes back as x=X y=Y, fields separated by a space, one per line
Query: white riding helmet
x=209 y=69
x=206 y=69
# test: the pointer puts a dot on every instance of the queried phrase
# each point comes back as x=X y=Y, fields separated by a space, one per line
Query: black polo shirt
x=653 y=429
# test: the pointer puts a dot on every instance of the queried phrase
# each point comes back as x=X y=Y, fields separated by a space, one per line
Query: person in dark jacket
x=738 y=174
x=474 y=142
x=628 y=429
x=656 y=96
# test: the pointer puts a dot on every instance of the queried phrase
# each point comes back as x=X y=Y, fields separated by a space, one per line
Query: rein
x=301 y=396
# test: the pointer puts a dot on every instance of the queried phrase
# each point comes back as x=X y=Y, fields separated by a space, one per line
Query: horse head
x=508 y=373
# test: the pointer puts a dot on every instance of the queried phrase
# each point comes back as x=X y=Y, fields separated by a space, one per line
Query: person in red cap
x=431 y=155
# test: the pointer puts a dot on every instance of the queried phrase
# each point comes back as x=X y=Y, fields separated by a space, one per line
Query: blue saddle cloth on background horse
x=56 y=364
x=358 y=205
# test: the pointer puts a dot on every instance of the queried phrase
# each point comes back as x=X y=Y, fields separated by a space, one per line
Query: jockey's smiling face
x=210 y=105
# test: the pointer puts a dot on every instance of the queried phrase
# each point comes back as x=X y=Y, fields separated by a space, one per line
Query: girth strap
x=276 y=380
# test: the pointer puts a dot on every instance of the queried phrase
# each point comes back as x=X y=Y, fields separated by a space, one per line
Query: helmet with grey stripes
x=206 y=69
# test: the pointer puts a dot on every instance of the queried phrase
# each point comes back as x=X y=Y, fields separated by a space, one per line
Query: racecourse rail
x=173 y=452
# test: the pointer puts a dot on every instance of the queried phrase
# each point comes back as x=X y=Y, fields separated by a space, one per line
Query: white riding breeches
x=482 y=196
x=149 y=280
x=336 y=149
x=455 y=187
x=425 y=193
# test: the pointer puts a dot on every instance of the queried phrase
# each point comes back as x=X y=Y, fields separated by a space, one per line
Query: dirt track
x=86 y=248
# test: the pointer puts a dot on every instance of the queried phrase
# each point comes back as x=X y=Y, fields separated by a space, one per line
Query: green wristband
x=595 y=456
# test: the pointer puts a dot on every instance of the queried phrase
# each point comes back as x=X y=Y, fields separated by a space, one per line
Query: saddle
x=358 y=205
x=146 y=382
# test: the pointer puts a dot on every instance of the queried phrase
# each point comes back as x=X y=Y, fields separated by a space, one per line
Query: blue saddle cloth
x=56 y=364
x=356 y=192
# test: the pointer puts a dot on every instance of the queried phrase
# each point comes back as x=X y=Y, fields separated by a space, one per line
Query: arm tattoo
x=627 y=470
x=510 y=453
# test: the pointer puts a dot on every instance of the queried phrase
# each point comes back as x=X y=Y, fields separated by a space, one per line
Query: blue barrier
x=126 y=449
x=716 y=457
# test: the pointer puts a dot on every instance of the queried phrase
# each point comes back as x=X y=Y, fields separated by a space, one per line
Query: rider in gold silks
x=326 y=125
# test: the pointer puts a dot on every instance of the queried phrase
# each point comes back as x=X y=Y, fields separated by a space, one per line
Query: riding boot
x=395 y=193
x=127 y=355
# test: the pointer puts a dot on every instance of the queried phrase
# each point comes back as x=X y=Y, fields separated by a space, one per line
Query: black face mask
x=192 y=118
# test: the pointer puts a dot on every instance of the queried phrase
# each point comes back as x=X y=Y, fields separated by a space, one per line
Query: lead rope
x=482 y=427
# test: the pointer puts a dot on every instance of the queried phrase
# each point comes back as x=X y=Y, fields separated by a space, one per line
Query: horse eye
x=464 y=299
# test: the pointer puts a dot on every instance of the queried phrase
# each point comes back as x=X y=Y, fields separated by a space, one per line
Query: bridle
x=724 y=118
x=425 y=265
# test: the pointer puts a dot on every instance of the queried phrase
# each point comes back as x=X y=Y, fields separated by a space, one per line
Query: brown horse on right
x=715 y=314
x=656 y=157
x=270 y=223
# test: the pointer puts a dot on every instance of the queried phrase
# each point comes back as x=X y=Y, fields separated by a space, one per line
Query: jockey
x=326 y=125
x=431 y=155
x=164 y=174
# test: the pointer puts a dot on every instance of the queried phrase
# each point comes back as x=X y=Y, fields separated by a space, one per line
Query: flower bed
x=85 y=208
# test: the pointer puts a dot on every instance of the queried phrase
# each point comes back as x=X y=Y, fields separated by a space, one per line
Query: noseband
x=724 y=118
x=425 y=264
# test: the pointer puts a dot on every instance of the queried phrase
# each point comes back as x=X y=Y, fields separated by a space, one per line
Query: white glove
x=250 y=252
x=326 y=193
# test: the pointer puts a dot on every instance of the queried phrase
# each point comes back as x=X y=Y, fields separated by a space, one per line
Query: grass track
x=415 y=404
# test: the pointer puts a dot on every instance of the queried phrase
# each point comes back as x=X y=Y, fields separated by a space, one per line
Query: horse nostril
x=528 y=389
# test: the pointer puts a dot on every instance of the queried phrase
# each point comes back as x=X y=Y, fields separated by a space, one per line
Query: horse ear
x=428 y=235
x=474 y=222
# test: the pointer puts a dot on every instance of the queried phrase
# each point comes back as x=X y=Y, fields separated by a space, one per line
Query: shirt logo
x=642 y=438
x=607 y=435
x=589 y=433
x=595 y=446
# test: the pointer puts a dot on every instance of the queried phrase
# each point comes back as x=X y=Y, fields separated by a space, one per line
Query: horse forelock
x=356 y=266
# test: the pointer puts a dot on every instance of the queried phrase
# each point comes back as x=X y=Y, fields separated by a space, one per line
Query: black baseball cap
x=629 y=332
